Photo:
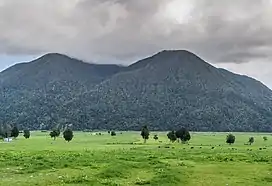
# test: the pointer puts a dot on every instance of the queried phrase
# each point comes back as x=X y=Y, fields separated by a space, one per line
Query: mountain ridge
x=170 y=88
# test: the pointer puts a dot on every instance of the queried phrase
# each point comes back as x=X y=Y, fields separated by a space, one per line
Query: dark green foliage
x=168 y=88
x=183 y=134
x=156 y=137
x=5 y=131
x=172 y=136
x=68 y=135
x=113 y=133
x=230 y=139
x=145 y=133
x=251 y=140
x=26 y=134
x=55 y=133
x=265 y=138
x=109 y=132
x=14 y=132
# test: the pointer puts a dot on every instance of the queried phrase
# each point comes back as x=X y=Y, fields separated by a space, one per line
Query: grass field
x=125 y=160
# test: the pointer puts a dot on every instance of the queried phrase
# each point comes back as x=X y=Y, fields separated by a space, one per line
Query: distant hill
x=33 y=93
x=174 y=88
x=164 y=91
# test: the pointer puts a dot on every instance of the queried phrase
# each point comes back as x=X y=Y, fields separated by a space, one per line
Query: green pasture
x=125 y=160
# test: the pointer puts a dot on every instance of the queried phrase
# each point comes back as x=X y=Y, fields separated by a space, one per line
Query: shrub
x=172 y=136
x=183 y=134
x=113 y=133
x=230 y=139
x=251 y=140
x=26 y=134
x=68 y=135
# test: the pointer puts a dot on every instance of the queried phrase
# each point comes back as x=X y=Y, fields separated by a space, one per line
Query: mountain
x=165 y=91
x=174 y=88
x=34 y=92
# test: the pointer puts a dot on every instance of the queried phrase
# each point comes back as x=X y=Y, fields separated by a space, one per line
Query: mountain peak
x=176 y=52
x=54 y=56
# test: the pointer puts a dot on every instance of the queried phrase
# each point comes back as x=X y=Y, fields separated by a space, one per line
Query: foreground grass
x=125 y=160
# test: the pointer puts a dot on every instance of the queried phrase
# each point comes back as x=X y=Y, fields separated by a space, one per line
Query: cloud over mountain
x=122 y=30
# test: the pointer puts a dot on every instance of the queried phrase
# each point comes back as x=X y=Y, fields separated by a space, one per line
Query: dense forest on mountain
x=164 y=91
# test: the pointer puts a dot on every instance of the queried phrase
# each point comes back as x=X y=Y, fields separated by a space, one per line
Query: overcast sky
x=232 y=34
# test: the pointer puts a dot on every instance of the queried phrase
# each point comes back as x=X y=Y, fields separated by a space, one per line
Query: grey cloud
x=219 y=31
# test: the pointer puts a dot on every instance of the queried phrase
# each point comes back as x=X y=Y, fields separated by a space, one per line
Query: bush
x=113 y=133
x=183 y=134
x=26 y=134
x=172 y=136
x=230 y=139
x=55 y=133
x=251 y=140
x=68 y=135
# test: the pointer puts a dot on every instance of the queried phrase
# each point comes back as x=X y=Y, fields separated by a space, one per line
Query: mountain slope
x=174 y=88
x=164 y=91
x=33 y=93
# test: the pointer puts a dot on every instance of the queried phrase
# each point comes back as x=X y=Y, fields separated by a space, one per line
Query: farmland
x=125 y=160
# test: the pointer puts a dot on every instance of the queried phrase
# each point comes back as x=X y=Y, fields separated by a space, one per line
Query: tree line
x=181 y=135
x=6 y=131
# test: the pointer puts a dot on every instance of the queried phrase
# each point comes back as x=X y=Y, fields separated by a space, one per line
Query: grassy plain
x=125 y=160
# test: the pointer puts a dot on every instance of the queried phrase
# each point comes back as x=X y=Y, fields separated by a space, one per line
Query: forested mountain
x=32 y=94
x=164 y=91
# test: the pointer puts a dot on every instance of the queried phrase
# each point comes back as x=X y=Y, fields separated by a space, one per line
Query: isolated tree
x=113 y=133
x=14 y=132
x=26 y=134
x=55 y=133
x=265 y=138
x=145 y=133
x=183 y=134
x=251 y=140
x=6 y=131
x=1 y=131
x=68 y=135
x=172 y=136
x=230 y=139
x=155 y=137
x=109 y=132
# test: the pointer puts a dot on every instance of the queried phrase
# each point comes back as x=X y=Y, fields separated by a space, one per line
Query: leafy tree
x=113 y=133
x=172 y=136
x=68 y=135
x=145 y=133
x=54 y=134
x=1 y=131
x=183 y=134
x=109 y=132
x=265 y=138
x=26 y=134
x=6 y=131
x=14 y=132
x=230 y=139
x=155 y=137
x=251 y=140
